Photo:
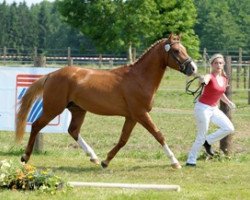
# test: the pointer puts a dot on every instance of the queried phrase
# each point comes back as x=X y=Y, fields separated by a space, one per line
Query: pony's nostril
x=193 y=67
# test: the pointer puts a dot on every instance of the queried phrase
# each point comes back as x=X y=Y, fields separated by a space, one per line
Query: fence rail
x=75 y=56
x=60 y=56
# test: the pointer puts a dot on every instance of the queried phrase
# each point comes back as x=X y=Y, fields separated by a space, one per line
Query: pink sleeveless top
x=213 y=91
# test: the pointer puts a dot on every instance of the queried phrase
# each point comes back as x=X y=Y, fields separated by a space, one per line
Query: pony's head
x=177 y=57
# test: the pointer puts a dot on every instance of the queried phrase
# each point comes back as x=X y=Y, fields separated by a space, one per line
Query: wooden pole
x=39 y=61
x=245 y=76
x=133 y=54
x=4 y=55
x=100 y=60
x=35 y=53
x=70 y=60
x=226 y=142
x=130 y=57
x=205 y=59
x=249 y=85
x=127 y=186
x=239 y=66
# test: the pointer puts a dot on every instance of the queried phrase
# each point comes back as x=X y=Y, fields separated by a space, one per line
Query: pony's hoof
x=104 y=165
x=95 y=161
x=24 y=158
x=176 y=166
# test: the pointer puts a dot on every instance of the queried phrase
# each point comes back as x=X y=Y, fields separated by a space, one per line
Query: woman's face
x=217 y=65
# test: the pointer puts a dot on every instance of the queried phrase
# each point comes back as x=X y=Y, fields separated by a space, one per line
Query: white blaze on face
x=194 y=66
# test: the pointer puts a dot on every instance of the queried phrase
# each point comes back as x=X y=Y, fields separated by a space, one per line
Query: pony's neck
x=151 y=66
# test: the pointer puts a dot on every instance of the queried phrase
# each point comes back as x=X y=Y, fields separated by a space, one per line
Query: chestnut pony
x=126 y=91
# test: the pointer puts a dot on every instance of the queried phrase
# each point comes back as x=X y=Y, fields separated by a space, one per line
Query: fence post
x=100 y=60
x=4 y=55
x=130 y=57
x=205 y=59
x=39 y=61
x=239 y=66
x=133 y=54
x=35 y=53
x=70 y=60
x=226 y=142
x=248 y=84
x=245 y=76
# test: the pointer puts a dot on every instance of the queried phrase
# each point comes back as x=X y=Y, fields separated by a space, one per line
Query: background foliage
x=114 y=26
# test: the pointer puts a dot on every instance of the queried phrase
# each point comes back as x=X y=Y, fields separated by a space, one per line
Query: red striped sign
x=25 y=80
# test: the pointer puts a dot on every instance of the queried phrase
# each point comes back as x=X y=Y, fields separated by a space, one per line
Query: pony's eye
x=176 y=51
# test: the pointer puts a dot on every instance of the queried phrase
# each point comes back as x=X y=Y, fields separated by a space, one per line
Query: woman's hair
x=215 y=56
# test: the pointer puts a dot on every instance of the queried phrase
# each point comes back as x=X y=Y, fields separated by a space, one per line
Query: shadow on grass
x=149 y=166
x=72 y=169
x=12 y=152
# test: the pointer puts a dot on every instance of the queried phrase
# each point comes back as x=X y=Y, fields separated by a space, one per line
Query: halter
x=182 y=66
x=196 y=93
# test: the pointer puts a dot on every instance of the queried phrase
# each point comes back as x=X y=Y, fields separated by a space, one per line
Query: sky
x=28 y=2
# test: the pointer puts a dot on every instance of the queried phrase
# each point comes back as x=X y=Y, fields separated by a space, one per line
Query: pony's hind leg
x=126 y=132
x=41 y=122
x=78 y=115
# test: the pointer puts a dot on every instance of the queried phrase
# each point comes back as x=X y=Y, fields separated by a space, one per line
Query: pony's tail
x=32 y=93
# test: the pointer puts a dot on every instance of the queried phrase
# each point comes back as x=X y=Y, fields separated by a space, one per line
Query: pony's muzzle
x=193 y=69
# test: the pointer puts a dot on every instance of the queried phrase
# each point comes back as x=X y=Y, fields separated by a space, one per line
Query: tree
x=114 y=25
x=12 y=27
x=217 y=27
x=43 y=26
x=241 y=14
x=180 y=17
x=27 y=27
x=3 y=19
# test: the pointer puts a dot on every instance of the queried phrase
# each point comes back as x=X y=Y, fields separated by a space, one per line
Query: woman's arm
x=227 y=101
x=205 y=79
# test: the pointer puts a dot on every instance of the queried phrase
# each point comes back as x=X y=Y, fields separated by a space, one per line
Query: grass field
x=142 y=159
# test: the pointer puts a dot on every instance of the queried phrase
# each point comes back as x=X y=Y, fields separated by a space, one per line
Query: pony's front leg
x=147 y=122
x=126 y=132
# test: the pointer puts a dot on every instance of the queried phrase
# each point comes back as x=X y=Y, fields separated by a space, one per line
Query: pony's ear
x=171 y=35
x=179 y=36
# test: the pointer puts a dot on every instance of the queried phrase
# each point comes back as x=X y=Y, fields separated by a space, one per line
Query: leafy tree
x=12 y=27
x=241 y=14
x=3 y=25
x=217 y=27
x=114 y=25
x=180 y=17
x=43 y=26
x=27 y=27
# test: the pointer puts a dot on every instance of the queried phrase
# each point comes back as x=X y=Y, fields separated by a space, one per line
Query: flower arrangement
x=20 y=176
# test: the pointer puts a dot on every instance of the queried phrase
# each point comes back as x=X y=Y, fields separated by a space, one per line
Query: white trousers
x=204 y=114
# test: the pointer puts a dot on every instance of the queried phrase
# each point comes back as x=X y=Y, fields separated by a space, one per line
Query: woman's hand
x=204 y=78
x=231 y=105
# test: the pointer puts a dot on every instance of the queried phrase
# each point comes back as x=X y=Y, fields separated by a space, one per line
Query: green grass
x=142 y=159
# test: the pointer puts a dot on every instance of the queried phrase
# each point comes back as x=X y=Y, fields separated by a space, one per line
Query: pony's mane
x=148 y=49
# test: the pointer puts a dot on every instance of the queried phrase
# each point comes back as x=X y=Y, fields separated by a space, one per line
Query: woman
x=206 y=110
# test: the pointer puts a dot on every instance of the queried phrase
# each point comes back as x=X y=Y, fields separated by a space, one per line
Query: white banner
x=14 y=82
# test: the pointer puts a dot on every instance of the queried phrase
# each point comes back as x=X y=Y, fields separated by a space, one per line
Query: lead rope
x=196 y=93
